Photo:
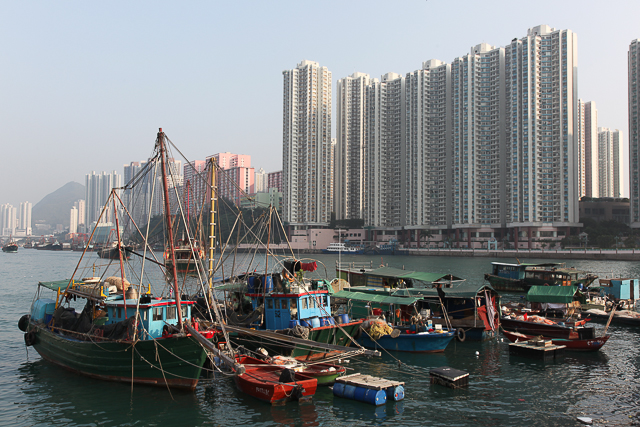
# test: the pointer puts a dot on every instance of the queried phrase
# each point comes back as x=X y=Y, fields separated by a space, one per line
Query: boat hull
x=263 y=383
x=10 y=248
x=412 y=343
x=551 y=331
x=174 y=361
x=324 y=334
x=574 y=345
x=504 y=284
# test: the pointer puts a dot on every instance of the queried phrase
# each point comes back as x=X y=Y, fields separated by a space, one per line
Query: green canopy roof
x=457 y=290
x=383 y=299
x=552 y=294
x=391 y=272
x=55 y=285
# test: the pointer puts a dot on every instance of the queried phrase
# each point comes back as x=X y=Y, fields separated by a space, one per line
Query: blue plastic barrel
x=305 y=323
x=359 y=394
x=315 y=322
x=251 y=285
x=395 y=393
x=375 y=397
x=331 y=321
x=293 y=323
x=338 y=319
x=344 y=318
x=269 y=283
x=338 y=389
x=349 y=391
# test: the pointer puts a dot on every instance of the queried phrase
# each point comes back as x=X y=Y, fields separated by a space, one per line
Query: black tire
x=23 y=323
x=461 y=335
x=30 y=338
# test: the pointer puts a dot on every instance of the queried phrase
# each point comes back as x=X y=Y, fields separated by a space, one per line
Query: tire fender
x=461 y=335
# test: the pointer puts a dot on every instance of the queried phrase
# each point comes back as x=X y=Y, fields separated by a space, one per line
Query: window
x=270 y=304
x=283 y=304
x=157 y=313
x=119 y=312
x=304 y=303
x=171 y=313
x=184 y=310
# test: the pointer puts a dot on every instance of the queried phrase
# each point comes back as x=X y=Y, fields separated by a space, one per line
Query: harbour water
x=503 y=390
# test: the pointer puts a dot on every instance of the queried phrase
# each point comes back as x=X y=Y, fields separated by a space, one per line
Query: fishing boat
x=11 y=246
x=469 y=309
x=187 y=256
x=114 y=251
x=298 y=313
x=593 y=344
x=119 y=331
x=517 y=278
x=273 y=383
x=378 y=334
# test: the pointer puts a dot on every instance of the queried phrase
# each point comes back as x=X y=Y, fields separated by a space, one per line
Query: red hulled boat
x=593 y=344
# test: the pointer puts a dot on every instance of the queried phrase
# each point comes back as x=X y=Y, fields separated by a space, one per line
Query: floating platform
x=449 y=377
x=543 y=350
x=368 y=389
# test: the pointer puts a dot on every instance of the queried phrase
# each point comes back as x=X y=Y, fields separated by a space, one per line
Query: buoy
x=477 y=353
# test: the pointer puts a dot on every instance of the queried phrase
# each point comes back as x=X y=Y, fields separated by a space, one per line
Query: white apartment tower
x=24 y=222
x=385 y=153
x=542 y=144
x=306 y=160
x=480 y=198
x=73 y=220
x=634 y=131
x=97 y=189
x=609 y=162
x=349 y=154
x=588 y=163
x=260 y=181
x=8 y=220
x=428 y=146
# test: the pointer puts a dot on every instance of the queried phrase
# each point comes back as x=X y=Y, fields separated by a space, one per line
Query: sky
x=85 y=85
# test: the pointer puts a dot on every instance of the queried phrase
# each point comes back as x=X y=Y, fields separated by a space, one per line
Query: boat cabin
x=155 y=313
x=306 y=307
x=623 y=289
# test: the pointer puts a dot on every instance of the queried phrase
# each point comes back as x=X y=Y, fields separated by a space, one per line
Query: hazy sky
x=85 y=85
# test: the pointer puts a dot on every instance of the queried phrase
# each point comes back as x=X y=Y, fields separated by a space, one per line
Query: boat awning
x=382 y=299
x=552 y=294
x=55 y=285
x=457 y=290
x=398 y=273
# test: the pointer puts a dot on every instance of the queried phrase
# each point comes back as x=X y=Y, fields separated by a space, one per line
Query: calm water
x=503 y=390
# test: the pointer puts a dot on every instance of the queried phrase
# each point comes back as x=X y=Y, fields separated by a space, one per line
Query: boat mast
x=212 y=225
x=167 y=211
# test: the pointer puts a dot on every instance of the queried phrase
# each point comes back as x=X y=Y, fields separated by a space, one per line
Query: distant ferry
x=335 y=248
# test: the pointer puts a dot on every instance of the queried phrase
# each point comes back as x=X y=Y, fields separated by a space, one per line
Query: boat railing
x=354 y=265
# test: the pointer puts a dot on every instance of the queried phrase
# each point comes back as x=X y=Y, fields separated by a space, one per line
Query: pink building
x=237 y=176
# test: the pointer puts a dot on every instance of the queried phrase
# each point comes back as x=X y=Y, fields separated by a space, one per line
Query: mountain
x=55 y=207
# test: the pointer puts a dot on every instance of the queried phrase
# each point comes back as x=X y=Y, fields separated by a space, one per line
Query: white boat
x=335 y=248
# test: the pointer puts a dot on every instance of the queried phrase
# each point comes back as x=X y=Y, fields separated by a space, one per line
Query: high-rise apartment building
x=97 y=189
x=634 y=131
x=428 y=151
x=609 y=141
x=385 y=173
x=349 y=161
x=260 y=181
x=588 y=162
x=24 y=222
x=73 y=220
x=542 y=145
x=8 y=219
x=306 y=160
x=274 y=180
